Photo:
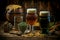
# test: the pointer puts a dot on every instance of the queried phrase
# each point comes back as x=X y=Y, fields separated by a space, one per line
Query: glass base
x=27 y=31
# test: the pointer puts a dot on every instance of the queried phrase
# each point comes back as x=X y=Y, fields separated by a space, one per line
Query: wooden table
x=8 y=36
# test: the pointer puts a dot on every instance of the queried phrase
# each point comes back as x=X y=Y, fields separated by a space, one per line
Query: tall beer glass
x=44 y=19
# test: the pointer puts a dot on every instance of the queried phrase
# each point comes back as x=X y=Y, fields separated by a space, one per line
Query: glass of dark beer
x=44 y=20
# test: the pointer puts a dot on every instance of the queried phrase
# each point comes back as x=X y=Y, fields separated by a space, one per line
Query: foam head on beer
x=44 y=13
x=31 y=10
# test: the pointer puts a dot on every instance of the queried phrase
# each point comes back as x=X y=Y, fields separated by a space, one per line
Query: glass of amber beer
x=31 y=18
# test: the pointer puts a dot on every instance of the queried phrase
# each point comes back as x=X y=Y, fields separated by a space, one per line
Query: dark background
x=54 y=3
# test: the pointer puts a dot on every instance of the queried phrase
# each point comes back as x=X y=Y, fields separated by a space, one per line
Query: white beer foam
x=31 y=9
x=44 y=12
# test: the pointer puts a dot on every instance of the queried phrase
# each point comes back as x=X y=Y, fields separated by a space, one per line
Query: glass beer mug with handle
x=45 y=20
x=31 y=18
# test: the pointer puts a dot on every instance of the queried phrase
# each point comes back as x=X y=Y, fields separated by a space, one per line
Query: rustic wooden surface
x=29 y=38
x=15 y=37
